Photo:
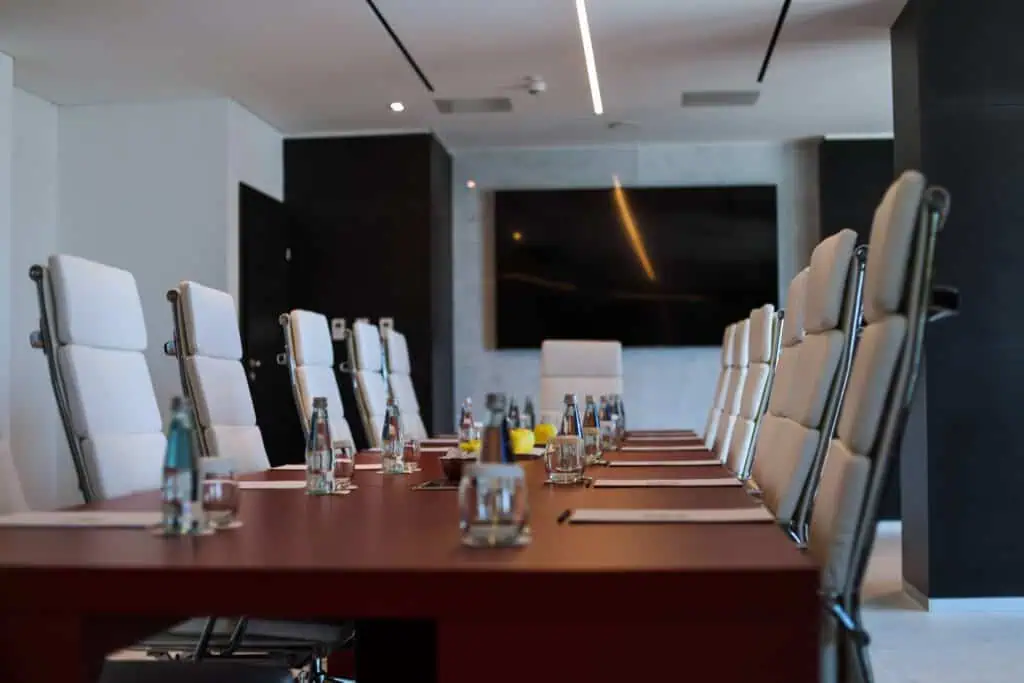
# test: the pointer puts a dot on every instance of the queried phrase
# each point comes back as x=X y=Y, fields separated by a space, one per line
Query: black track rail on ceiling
x=401 y=47
x=775 y=39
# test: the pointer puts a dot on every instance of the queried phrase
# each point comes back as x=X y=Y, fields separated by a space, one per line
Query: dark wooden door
x=265 y=293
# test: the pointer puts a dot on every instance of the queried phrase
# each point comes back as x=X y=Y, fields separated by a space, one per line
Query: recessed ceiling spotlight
x=471 y=184
x=397 y=107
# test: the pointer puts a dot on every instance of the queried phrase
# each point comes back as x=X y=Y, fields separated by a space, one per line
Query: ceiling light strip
x=588 y=55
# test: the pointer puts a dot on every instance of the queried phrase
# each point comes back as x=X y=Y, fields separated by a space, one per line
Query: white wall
x=143 y=187
x=36 y=439
x=663 y=387
x=6 y=232
x=256 y=158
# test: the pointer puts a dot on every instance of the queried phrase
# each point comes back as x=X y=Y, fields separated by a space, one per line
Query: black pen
x=564 y=516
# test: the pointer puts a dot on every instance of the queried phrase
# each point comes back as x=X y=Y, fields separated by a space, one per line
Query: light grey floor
x=910 y=645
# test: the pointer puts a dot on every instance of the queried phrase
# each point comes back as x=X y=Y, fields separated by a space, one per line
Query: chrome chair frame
x=45 y=338
x=178 y=347
x=289 y=352
x=762 y=406
x=924 y=303
x=853 y=305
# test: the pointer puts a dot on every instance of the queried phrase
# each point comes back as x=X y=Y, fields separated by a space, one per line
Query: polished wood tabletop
x=388 y=551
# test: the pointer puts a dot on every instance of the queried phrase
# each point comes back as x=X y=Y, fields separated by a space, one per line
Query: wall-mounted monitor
x=665 y=266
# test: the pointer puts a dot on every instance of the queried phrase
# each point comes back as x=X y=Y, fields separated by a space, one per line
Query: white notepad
x=664 y=463
x=667 y=483
x=272 y=485
x=435 y=449
x=537 y=451
x=684 y=447
x=83 y=519
x=368 y=466
x=669 y=437
x=290 y=468
x=724 y=516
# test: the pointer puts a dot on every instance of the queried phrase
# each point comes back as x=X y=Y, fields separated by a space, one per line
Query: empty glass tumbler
x=220 y=494
x=493 y=505
x=565 y=460
x=344 y=464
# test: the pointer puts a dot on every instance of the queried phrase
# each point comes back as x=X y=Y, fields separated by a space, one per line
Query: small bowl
x=453 y=462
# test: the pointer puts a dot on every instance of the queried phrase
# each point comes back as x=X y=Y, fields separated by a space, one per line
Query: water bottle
x=529 y=415
x=591 y=431
x=181 y=490
x=607 y=424
x=571 y=424
x=515 y=420
x=392 y=457
x=469 y=436
x=496 y=446
x=619 y=413
x=319 y=451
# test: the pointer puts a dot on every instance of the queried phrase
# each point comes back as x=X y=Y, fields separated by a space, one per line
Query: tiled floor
x=910 y=645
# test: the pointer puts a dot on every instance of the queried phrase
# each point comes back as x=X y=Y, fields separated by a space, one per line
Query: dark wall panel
x=957 y=87
x=373 y=221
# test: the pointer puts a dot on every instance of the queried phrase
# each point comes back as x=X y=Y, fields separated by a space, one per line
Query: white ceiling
x=317 y=66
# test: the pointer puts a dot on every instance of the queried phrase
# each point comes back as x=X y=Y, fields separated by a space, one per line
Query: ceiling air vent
x=481 y=105
x=720 y=98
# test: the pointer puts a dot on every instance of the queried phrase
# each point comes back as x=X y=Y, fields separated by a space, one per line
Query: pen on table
x=564 y=516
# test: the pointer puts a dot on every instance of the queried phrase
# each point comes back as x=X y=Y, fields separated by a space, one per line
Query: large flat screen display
x=665 y=266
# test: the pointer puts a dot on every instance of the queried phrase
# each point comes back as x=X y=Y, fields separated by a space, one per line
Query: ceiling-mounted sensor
x=535 y=85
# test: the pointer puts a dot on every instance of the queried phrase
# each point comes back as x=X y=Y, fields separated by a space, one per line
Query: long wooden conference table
x=722 y=602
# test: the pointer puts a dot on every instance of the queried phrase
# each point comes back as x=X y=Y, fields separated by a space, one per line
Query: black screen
x=647 y=266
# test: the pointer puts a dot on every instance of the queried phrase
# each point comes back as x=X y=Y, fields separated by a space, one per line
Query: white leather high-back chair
x=577 y=367
x=721 y=387
x=371 y=390
x=897 y=299
x=734 y=390
x=761 y=346
x=206 y=327
x=814 y=394
x=400 y=381
x=773 y=467
x=101 y=337
x=311 y=360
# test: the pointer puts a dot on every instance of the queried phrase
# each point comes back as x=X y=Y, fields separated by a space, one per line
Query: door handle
x=254 y=363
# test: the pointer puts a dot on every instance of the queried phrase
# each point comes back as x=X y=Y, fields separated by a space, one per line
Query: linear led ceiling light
x=588 y=54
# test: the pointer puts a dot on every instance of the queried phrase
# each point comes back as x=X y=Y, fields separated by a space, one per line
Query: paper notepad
x=664 y=463
x=83 y=519
x=272 y=485
x=290 y=468
x=435 y=449
x=537 y=451
x=725 y=516
x=684 y=447
x=368 y=466
x=667 y=483
x=668 y=437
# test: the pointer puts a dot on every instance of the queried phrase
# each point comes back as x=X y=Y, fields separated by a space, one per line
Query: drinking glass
x=220 y=495
x=564 y=460
x=412 y=455
x=493 y=505
x=344 y=464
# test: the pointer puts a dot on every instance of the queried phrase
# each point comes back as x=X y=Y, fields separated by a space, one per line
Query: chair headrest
x=741 y=344
x=570 y=358
x=796 y=300
x=211 y=322
x=311 y=339
x=892 y=238
x=730 y=330
x=368 y=352
x=826 y=284
x=97 y=305
x=762 y=324
x=398 y=353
